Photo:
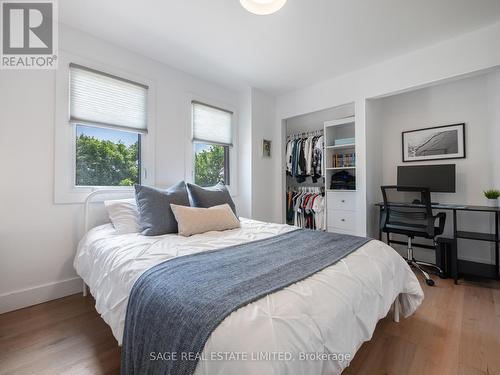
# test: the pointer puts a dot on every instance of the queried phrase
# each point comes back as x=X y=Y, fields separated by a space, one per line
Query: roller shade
x=104 y=99
x=212 y=124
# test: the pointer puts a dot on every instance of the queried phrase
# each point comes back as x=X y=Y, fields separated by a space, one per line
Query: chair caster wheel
x=429 y=282
x=442 y=275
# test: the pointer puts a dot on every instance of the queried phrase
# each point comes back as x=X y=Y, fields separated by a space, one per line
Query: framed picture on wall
x=437 y=143
x=266 y=148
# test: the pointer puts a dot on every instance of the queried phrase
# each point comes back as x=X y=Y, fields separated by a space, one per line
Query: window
x=212 y=139
x=109 y=115
x=106 y=157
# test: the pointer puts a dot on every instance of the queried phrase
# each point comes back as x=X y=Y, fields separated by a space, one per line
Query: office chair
x=412 y=220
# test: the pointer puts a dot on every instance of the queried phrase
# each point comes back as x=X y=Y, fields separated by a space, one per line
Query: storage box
x=344 y=141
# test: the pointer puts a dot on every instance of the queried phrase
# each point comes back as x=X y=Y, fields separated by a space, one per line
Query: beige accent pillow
x=195 y=220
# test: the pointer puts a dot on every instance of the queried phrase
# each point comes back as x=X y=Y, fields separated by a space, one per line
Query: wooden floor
x=455 y=331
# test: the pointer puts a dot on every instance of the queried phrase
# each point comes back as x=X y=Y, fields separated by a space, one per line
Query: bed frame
x=86 y=213
x=395 y=306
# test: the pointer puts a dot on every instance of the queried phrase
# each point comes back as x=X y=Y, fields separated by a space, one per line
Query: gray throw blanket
x=176 y=305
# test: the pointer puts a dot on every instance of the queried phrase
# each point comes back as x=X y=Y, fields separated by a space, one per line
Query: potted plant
x=492 y=197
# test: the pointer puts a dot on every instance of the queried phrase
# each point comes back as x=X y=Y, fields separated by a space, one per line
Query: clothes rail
x=305 y=134
x=307 y=189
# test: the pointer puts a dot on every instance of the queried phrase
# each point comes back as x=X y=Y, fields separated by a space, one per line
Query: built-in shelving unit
x=340 y=152
x=340 y=165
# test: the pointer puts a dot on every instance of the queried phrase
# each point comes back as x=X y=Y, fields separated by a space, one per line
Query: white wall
x=374 y=166
x=315 y=121
x=38 y=238
x=245 y=157
x=462 y=55
x=451 y=103
x=464 y=100
x=493 y=87
x=256 y=182
x=263 y=115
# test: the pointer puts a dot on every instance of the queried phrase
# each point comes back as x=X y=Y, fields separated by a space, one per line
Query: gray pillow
x=210 y=196
x=155 y=215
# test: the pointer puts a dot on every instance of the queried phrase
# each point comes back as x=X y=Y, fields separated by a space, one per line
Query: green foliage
x=492 y=194
x=209 y=166
x=105 y=163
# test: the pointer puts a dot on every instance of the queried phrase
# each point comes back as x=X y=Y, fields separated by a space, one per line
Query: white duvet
x=334 y=311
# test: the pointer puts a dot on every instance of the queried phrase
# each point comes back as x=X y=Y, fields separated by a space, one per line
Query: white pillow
x=196 y=220
x=124 y=215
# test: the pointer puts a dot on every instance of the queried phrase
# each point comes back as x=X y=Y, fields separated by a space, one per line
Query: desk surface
x=456 y=207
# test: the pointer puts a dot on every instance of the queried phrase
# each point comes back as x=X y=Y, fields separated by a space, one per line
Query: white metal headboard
x=86 y=209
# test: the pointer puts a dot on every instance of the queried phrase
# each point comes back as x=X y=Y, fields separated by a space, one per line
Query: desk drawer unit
x=341 y=219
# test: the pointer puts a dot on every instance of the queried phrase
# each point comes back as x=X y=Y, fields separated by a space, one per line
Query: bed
x=334 y=310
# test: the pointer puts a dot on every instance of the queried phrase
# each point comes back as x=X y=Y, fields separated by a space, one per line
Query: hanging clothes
x=317 y=159
x=305 y=209
x=304 y=157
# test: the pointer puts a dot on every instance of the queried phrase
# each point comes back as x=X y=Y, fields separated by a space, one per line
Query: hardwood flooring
x=455 y=332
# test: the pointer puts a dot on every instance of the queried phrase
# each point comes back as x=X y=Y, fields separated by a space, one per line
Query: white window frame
x=233 y=151
x=65 y=189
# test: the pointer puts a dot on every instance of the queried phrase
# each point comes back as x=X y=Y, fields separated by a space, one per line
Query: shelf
x=342 y=121
x=477 y=236
x=340 y=147
x=339 y=168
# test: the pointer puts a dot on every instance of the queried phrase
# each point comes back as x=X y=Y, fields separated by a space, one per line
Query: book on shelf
x=344 y=160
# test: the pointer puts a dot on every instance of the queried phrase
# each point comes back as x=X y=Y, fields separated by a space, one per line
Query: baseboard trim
x=42 y=293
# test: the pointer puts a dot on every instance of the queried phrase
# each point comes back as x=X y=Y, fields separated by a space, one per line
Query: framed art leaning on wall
x=436 y=143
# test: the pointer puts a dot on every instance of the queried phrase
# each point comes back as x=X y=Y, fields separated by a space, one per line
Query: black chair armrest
x=441 y=216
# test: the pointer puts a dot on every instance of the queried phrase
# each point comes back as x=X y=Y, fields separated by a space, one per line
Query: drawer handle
x=342 y=219
x=343 y=200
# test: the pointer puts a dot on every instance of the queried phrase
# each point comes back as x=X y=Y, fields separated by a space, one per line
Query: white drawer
x=345 y=220
x=341 y=201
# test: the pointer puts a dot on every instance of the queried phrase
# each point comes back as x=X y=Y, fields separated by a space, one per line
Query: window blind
x=212 y=125
x=104 y=99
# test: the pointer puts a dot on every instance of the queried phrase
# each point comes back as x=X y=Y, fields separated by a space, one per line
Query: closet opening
x=319 y=163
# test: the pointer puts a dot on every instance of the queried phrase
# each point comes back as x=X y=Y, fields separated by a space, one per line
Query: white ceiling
x=305 y=42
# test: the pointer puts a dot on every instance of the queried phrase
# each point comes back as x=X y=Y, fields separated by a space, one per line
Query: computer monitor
x=439 y=178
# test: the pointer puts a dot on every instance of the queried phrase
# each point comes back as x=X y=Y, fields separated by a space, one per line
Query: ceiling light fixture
x=262 y=7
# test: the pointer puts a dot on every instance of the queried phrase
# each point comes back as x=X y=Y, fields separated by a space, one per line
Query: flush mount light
x=262 y=7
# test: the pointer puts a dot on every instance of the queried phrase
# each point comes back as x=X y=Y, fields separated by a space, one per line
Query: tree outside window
x=211 y=164
x=106 y=157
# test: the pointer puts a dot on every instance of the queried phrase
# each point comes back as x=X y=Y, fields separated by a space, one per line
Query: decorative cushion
x=195 y=220
x=123 y=215
x=210 y=196
x=155 y=215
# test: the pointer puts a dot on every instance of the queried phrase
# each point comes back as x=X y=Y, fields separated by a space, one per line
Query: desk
x=485 y=270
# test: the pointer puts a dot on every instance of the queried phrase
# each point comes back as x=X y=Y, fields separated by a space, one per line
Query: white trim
x=233 y=151
x=38 y=294
x=64 y=153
